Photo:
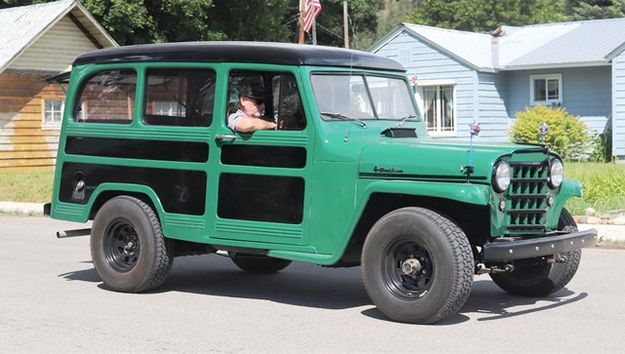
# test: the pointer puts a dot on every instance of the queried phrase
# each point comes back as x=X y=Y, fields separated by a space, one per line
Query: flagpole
x=314 y=32
x=301 y=22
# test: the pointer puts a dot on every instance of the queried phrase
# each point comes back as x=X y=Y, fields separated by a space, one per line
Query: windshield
x=363 y=97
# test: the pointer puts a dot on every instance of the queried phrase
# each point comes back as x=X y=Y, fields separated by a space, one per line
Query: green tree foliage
x=568 y=135
x=486 y=15
x=595 y=9
x=140 y=21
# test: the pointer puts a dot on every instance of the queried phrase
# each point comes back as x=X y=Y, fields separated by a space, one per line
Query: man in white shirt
x=249 y=117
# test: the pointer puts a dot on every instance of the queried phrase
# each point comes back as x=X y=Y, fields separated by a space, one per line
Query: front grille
x=528 y=196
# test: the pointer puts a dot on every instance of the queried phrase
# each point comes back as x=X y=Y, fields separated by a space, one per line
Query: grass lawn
x=604 y=186
x=33 y=186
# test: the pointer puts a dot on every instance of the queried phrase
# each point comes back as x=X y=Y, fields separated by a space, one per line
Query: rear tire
x=534 y=277
x=258 y=264
x=417 y=266
x=128 y=248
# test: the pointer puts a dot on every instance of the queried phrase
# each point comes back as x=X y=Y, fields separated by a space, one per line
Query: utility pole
x=345 y=26
x=301 y=22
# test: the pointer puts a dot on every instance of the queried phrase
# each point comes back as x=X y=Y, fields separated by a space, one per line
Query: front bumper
x=499 y=251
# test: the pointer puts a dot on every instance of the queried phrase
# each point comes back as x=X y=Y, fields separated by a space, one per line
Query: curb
x=14 y=208
x=606 y=232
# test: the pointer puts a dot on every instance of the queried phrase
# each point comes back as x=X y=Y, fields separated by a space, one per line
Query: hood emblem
x=377 y=169
x=474 y=129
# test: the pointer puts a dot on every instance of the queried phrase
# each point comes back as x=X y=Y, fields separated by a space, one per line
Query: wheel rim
x=407 y=269
x=121 y=245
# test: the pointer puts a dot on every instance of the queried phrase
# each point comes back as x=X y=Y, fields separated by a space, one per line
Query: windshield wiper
x=343 y=117
x=403 y=120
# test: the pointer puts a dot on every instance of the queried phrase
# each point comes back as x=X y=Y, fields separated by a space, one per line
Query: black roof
x=248 y=52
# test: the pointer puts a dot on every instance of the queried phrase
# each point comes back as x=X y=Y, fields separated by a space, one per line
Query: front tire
x=128 y=248
x=417 y=266
x=535 y=277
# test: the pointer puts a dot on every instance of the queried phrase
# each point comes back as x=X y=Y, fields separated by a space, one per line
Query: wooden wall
x=24 y=144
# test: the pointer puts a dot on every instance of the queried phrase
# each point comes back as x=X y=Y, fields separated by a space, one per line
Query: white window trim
x=436 y=134
x=51 y=126
x=547 y=101
x=438 y=82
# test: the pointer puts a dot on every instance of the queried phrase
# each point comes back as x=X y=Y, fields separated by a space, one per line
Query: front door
x=263 y=179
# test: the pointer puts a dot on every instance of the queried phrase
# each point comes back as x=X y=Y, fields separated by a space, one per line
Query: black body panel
x=180 y=191
x=138 y=149
x=247 y=52
x=265 y=156
x=261 y=198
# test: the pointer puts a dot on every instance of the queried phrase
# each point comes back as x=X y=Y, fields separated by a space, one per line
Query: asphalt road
x=51 y=300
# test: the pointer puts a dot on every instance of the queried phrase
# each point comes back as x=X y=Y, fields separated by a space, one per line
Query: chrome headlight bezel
x=502 y=176
x=556 y=168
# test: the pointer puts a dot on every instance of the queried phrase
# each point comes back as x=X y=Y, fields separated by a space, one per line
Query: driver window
x=276 y=91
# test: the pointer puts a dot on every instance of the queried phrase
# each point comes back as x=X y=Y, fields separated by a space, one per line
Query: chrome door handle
x=225 y=138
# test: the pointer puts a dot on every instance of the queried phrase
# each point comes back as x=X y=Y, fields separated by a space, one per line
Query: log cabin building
x=37 y=42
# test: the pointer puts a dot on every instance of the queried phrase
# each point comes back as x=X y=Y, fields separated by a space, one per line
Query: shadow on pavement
x=487 y=298
x=329 y=288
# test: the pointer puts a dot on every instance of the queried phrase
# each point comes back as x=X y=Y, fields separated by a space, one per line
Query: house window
x=52 y=112
x=169 y=108
x=439 y=108
x=546 y=90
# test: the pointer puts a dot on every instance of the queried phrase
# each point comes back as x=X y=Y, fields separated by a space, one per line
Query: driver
x=249 y=117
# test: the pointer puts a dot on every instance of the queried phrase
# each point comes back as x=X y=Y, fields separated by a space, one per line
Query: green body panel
x=345 y=165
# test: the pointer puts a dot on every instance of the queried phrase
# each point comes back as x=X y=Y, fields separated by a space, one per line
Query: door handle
x=225 y=138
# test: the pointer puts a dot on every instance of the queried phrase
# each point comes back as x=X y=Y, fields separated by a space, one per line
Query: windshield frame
x=365 y=74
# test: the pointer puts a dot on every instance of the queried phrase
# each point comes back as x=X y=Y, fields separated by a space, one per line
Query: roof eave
x=70 y=7
x=97 y=25
x=8 y=63
x=554 y=65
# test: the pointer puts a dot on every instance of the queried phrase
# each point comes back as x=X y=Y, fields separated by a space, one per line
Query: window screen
x=108 y=97
x=180 y=97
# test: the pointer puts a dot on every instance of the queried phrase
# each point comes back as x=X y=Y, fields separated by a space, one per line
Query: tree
x=595 y=9
x=487 y=15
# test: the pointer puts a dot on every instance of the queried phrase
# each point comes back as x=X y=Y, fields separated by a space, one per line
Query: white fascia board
x=555 y=66
x=97 y=25
x=384 y=40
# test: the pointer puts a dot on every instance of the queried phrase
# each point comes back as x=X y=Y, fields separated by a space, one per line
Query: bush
x=567 y=135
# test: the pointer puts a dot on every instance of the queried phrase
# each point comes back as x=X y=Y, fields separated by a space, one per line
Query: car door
x=263 y=178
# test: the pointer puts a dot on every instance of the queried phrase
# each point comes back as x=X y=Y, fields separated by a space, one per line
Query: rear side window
x=107 y=97
x=180 y=97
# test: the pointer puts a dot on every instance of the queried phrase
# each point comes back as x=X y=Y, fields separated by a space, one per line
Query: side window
x=108 y=97
x=183 y=97
x=276 y=96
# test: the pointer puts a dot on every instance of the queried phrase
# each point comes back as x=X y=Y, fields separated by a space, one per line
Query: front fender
x=461 y=192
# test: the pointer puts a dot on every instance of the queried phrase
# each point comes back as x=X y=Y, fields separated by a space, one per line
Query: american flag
x=312 y=8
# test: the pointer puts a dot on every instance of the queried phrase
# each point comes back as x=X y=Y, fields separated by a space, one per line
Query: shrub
x=567 y=135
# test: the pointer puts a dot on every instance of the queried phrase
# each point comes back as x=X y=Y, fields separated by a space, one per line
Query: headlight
x=556 y=173
x=501 y=177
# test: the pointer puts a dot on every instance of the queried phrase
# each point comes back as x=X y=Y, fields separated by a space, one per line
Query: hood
x=436 y=160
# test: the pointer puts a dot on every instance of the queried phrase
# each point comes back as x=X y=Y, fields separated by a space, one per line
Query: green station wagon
x=343 y=174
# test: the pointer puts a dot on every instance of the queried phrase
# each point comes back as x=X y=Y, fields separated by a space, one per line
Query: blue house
x=461 y=77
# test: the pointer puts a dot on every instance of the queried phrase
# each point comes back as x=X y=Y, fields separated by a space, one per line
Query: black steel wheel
x=408 y=269
x=128 y=248
x=258 y=264
x=417 y=266
x=121 y=246
x=537 y=277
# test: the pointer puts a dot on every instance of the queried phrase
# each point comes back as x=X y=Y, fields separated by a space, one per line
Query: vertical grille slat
x=527 y=192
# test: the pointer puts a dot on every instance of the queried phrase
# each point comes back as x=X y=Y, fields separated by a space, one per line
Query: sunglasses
x=257 y=101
